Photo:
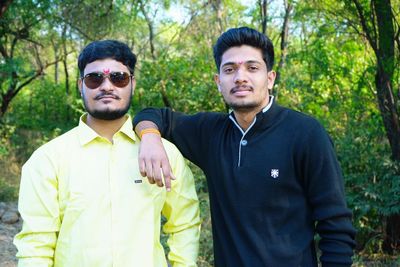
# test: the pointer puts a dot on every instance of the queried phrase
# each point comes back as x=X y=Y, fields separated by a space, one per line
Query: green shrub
x=7 y=192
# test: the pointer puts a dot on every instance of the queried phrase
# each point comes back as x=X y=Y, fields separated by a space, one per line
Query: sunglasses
x=118 y=78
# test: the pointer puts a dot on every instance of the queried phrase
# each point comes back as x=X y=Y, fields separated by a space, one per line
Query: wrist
x=149 y=131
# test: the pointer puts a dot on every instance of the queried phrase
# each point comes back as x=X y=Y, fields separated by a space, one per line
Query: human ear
x=80 y=85
x=217 y=82
x=133 y=80
x=271 y=75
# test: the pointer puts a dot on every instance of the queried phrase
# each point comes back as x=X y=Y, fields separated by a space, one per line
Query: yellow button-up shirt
x=84 y=204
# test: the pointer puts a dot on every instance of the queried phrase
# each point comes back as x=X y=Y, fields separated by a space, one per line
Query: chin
x=243 y=106
x=108 y=114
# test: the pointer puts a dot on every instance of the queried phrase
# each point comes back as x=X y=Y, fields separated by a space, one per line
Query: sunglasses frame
x=105 y=76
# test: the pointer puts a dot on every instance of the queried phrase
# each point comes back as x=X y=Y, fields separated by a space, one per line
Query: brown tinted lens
x=93 y=80
x=119 y=79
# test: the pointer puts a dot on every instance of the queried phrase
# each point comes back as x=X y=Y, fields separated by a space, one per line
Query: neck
x=105 y=128
x=245 y=118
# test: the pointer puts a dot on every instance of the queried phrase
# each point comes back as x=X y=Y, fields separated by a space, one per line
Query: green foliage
x=371 y=182
x=206 y=253
x=329 y=73
x=45 y=105
x=330 y=79
x=186 y=81
x=7 y=192
x=6 y=131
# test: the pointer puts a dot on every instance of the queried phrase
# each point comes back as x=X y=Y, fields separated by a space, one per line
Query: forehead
x=105 y=64
x=242 y=53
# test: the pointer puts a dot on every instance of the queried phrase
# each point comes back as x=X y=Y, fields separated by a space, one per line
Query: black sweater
x=271 y=188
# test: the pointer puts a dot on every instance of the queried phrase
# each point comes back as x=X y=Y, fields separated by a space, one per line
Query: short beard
x=243 y=107
x=107 y=114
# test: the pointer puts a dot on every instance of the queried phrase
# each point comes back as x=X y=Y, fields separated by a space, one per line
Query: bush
x=7 y=192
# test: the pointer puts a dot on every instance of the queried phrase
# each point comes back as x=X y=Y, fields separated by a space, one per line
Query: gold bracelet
x=149 y=130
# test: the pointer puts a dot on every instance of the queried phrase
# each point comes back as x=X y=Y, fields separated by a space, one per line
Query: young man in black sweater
x=273 y=176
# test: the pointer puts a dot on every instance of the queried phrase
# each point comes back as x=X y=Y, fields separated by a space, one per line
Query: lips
x=242 y=89
x=106 y=96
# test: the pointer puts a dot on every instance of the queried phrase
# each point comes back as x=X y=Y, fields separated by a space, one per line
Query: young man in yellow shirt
x=82 y=198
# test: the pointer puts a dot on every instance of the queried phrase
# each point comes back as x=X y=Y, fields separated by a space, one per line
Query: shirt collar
x=87 y=134
x=267 y=107
x=271 y=101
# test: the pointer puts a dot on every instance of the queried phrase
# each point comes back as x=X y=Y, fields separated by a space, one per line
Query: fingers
x=153 y=161
x=167 y=173
x=157 y=173
x=142 y=166
x=146 y=169
x=157 y=176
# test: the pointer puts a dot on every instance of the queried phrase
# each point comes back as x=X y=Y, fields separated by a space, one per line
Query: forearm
x=325 y=193
x=37 y=240
x=35 y=249
x=35 y=262
x=184 y=247
x=38 y=206
x=337 y=240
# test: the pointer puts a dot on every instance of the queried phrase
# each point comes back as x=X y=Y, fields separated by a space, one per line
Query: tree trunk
x=55 y=47
x=379 y=30
x=164 y=95
x=151 y=28
x=392 y=242
x=3 y=6
x=65 y=64
x=284 y=40
x=216 y=5
x=263 y=15
x=5 y=102
x=387 y=105
x=388 y=102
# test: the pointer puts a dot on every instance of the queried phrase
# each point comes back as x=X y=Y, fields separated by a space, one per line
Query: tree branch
x=365 y=27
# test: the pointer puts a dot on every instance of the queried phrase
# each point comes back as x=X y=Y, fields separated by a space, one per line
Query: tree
x=377 y=22
x=288 y=7
x=3 y=6
x=17 y=40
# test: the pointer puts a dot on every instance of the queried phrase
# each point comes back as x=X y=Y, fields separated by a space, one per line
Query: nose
x=106 y=85
x=240 y=76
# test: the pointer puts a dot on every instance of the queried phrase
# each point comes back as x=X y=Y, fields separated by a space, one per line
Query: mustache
x=101 y=95
x=241 y=88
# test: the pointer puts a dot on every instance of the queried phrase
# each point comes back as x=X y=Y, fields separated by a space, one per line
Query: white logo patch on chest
x=274 y=173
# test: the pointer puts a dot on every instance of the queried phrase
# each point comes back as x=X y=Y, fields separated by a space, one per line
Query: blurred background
x=337 y=60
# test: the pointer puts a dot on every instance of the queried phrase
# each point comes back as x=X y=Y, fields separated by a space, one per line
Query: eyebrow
x=236 y=63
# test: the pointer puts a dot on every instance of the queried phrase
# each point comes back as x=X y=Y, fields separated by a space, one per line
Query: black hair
x=103 y=49
x=244 y=36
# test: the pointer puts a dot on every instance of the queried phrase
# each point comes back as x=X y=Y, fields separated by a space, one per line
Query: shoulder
x=211 y=119
x=54 y=149
x=304 y=129
x=300 y=121
x=208 y=116
x=300 y=117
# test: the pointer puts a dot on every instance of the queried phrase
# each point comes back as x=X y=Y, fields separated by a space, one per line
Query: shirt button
x=244 y=142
